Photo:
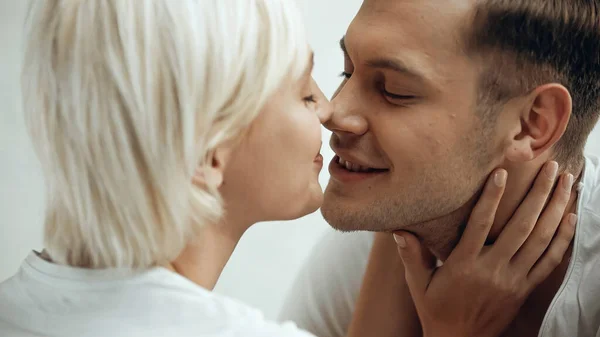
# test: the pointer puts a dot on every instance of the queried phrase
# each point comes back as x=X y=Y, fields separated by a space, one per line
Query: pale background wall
x=262 y=268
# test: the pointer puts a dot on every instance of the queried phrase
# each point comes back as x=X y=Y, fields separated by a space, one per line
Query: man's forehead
x=416 y=32
x=436 y=18
x=430 y=5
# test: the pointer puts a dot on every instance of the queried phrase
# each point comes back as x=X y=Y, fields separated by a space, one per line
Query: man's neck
x=441 y=235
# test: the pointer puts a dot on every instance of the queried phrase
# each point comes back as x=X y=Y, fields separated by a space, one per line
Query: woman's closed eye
x=309 y=99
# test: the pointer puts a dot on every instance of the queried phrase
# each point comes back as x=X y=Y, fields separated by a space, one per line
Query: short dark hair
x=527 y=43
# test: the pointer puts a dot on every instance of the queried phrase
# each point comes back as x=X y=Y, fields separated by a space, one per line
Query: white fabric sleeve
x=272 y=329
x=244 y=321
x=323 y=296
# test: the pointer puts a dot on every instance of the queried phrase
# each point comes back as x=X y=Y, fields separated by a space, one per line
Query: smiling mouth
x=352 y=167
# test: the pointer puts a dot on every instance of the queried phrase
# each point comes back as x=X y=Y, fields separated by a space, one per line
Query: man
x=436 y=95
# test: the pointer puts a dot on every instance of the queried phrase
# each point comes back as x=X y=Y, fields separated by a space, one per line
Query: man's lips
x=353 y=166
x=347 y=172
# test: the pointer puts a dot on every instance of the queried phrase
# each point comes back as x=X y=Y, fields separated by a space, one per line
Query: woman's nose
x=324 y=107
x=325 y=111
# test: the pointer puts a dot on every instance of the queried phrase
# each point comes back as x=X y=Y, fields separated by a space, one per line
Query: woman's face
x=273 y=174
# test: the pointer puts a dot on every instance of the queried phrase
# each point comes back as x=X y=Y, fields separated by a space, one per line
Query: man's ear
x=543 y=122
x=213 y=171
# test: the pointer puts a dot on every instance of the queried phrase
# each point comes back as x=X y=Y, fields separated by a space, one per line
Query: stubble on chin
x=440 y=235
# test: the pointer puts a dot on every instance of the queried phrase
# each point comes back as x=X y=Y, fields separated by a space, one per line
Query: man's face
x=407 y=115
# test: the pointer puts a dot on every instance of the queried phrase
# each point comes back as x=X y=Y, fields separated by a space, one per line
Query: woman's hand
x=480 y=289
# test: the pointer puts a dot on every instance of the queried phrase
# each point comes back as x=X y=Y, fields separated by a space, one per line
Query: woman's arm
x=384 y=307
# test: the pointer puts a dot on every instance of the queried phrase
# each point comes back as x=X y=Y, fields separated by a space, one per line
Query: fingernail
x=551 y=170
x=573 y=219
x=500 y=178
x=400 y=241
x=568 y=181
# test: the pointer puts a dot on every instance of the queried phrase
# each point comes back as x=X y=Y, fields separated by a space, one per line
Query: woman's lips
x=319 y=159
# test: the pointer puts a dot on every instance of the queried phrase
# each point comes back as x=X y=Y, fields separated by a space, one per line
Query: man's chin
x=335 y=219
x=344 y=220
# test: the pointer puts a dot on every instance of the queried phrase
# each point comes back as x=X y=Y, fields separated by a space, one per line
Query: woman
x=165 y=130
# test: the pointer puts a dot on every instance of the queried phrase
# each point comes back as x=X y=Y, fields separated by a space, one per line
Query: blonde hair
x=124 y=99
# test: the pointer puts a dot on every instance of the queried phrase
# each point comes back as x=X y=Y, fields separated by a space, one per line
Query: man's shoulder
x=322 y=298
x=575 y=309
x=590 y=187
x=340 y=255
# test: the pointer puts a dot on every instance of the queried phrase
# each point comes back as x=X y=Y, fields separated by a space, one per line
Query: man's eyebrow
x=399 y=67
x=343 y=45
x=390 y=64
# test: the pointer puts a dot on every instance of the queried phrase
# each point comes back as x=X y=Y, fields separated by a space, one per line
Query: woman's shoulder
x=194 y=309
x=156 y=302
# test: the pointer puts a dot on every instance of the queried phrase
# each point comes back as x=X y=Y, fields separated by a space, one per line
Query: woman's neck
x=203 y=259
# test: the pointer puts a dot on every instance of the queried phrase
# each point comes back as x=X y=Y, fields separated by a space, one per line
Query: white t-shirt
x=323 y=297
x=45 y=299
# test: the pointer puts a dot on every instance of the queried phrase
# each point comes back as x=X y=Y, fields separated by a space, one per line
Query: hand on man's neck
x=520 y=180
x=442 y=234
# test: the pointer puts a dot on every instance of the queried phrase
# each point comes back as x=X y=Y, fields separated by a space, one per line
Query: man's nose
x=347 y=116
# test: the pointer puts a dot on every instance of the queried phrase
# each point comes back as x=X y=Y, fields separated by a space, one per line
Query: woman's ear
x=542 y=123
x=213 y=172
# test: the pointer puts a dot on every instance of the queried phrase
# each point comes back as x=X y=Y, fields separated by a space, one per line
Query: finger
x=482 y=217
x=522 y=222
x=545 y=229
x=418 y=264
x=556 y=252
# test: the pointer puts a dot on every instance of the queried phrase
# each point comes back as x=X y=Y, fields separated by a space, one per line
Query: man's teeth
x=352 y=167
